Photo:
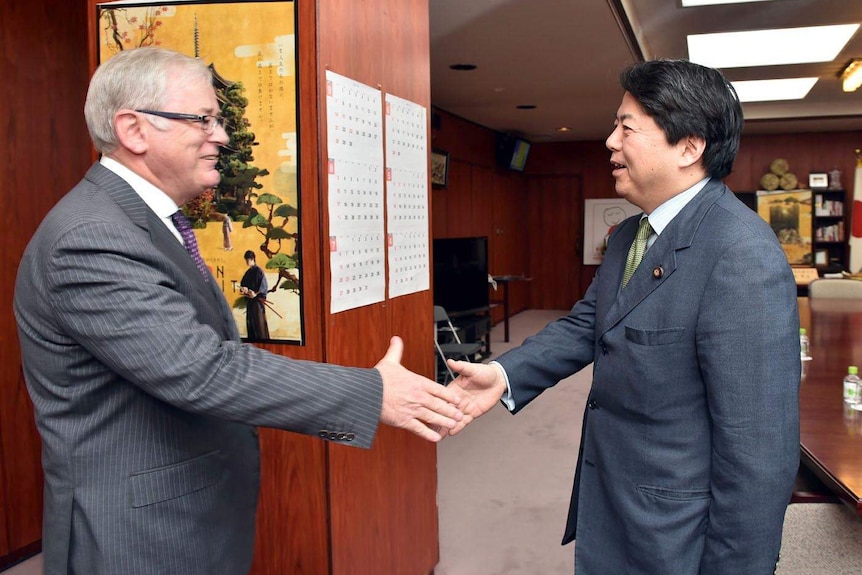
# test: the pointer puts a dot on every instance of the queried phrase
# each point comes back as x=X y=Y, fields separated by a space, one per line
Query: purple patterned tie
x=185 y=228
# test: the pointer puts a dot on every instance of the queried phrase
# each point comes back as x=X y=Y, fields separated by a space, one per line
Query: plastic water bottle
x=851 y=386
x=804 y=345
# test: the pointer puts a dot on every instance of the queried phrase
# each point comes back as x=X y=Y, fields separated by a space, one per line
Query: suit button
x=593 y=404
x=350 y=437
x=323 y=433
x=333 y=436
x=341 y=436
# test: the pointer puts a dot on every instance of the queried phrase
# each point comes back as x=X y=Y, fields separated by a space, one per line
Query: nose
x=219 y=135
x=612 y=141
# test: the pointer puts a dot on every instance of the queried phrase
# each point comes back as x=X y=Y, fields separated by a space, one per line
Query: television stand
x=475 y=325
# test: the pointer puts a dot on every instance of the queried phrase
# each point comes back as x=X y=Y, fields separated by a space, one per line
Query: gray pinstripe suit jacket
x=145 y=398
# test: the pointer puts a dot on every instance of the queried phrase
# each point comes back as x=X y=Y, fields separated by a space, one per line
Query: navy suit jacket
x=691 y=433
x=145 y=398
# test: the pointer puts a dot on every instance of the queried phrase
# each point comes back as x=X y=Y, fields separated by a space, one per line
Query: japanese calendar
x=406 y=196
x=356 y=193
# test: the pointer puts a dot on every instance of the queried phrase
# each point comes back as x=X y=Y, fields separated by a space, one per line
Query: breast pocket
x=666 y=336
x=171 y=481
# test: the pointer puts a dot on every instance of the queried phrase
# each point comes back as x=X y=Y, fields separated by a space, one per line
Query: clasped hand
x=428 y=409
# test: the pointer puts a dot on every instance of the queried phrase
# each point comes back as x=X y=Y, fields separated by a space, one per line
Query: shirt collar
x=662 y=215
x=157 y=200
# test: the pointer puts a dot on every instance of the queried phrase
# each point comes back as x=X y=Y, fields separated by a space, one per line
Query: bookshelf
x=829 y=230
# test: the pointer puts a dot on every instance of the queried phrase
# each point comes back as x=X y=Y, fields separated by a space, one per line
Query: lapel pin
x=657 y=273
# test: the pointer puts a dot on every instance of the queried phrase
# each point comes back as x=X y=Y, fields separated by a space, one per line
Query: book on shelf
x=831 y=233
x=826 y=208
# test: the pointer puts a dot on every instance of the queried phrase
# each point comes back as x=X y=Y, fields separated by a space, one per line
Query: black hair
x=687 y=99
x=248 y=255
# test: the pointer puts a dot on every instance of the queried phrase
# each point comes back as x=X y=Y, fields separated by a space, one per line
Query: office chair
x=835 y=288
x=452 y=346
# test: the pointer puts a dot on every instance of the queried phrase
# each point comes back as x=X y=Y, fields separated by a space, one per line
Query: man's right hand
x=482 y=386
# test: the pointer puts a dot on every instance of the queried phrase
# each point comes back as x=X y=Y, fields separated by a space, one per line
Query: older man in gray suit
x=691 y=434
x=145 y=398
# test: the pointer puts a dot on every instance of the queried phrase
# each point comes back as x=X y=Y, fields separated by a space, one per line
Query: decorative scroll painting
x=251 y=48
x=788 y=213
x=407 y=197
x=354 y=135
x=600 y=218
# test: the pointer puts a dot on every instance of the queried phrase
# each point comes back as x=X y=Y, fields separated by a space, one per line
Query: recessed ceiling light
x=773 y=90
x=688 y=3
x=526 y=107
x=564 y=129
x=770 y=47
x=851 y=77
x=462 y=67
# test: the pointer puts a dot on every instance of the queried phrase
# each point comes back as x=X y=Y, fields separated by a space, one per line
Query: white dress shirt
x=157 y=200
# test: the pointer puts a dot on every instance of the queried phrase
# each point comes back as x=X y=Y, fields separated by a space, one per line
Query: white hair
x=134 y=79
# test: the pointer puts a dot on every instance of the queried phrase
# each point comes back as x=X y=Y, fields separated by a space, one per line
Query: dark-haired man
x=690 y=440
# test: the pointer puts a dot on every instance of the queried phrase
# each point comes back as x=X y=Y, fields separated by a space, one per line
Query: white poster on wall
x=600 y=218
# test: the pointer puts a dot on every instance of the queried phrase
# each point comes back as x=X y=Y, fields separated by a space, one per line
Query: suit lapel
x=164 y=241
x=660 y=261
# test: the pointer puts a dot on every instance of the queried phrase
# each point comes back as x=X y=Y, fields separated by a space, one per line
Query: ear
x=692 y=150
x=131 y=131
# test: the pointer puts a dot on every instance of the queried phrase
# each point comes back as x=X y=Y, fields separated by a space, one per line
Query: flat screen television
x=512 y=152
x=461 y=273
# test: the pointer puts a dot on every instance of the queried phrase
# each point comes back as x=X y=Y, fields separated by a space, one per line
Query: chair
x=835 y=288
x=451 y=346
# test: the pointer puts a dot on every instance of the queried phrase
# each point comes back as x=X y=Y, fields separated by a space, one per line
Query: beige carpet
x=504 y=487
x=505 y=482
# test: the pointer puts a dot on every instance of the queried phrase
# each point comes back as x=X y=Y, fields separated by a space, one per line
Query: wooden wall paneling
x=292 y=534
x=292 y=519
x=482 y=201
x=805 y=153
x=591 y=162
x=464 y=140
x=382 y=43
x=411 y=483
x=510 y=238
x=555 y=208
x=459 y=203
x=45 y=148
x=439 y=198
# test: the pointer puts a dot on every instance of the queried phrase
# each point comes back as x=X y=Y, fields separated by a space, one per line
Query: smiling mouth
x=615 y=166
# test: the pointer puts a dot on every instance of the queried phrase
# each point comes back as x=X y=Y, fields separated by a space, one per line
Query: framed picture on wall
x=821 y=258
x=247 y=227
x=789 y=215
x=439 y=168
x=818 y=180
x=601 y=216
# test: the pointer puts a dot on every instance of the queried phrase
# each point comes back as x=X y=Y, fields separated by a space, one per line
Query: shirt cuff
x=507 y=400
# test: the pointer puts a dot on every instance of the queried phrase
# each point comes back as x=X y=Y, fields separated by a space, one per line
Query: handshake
x=428 y=409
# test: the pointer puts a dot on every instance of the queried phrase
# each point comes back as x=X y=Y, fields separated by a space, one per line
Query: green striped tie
x=636 y=252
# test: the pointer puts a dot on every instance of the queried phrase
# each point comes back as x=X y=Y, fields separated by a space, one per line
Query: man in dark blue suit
x=691 y=434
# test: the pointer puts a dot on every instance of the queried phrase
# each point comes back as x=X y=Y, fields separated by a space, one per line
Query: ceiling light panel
x=688 y=3
x=773 y=90
x=770 y=47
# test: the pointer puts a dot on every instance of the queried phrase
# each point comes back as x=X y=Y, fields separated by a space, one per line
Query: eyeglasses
x=208 y=123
